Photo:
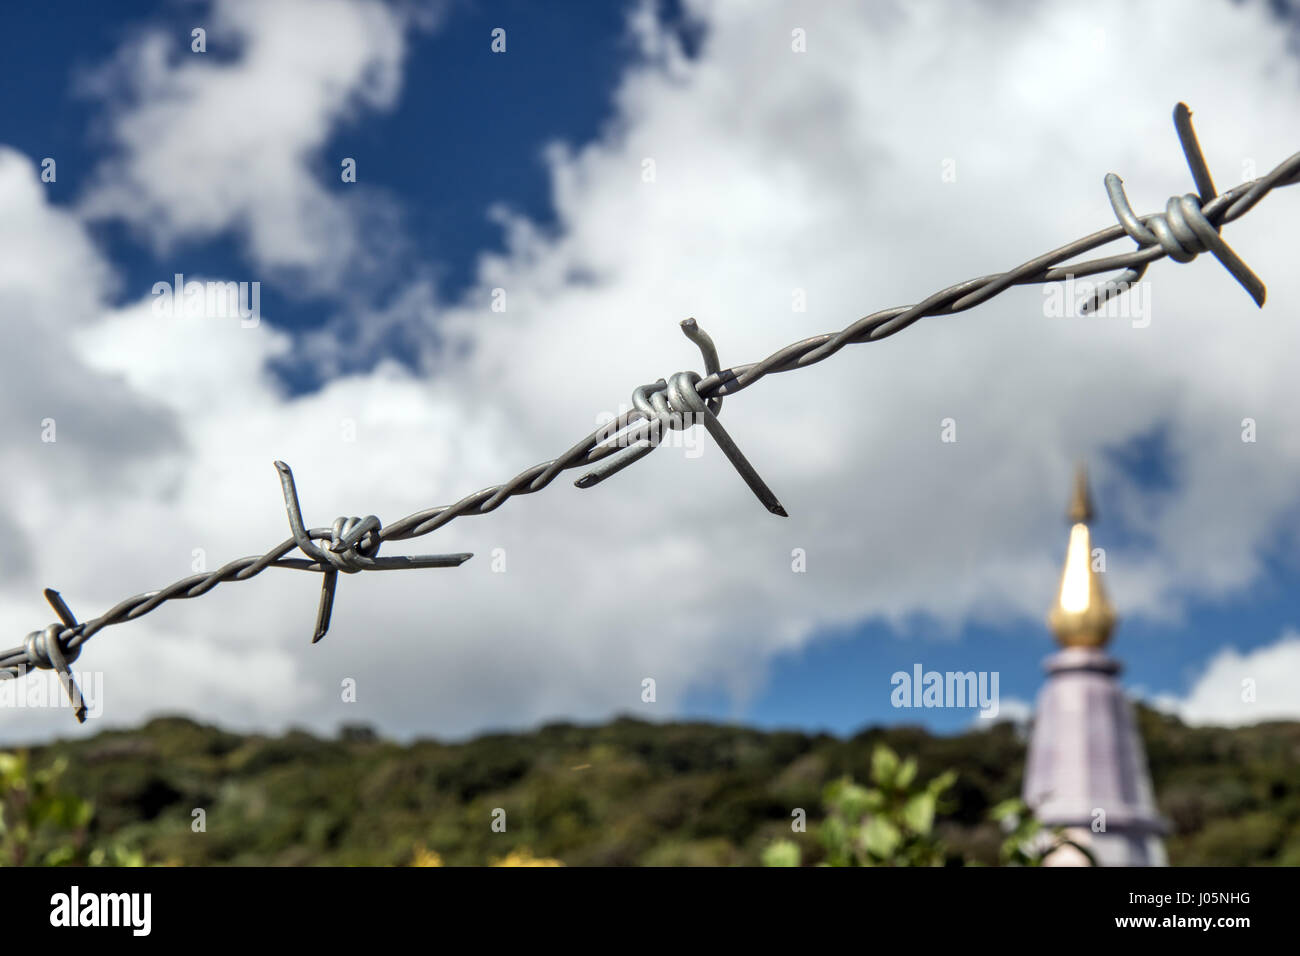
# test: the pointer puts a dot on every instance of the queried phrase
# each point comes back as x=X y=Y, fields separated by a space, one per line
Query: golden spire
x=1081 y=616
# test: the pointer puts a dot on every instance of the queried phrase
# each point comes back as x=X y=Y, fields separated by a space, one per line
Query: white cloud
x=1239 y=688
x=1012 y=710
x=52 y=284
x=209 y=144
x=819 y=171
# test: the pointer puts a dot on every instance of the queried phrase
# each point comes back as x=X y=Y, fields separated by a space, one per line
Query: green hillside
x=625 y=793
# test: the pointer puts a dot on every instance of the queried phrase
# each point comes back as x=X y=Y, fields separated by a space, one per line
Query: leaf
x=782 y=853
x=906 y=774
x=1014 y=807
x=942 y=782
x=835 y=838
x=884 y=766
x=849 y=799
x=880 y=837
x=918 y=813
x=11 y=766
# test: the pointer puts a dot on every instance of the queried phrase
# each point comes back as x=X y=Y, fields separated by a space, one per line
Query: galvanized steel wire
x=1189 y=226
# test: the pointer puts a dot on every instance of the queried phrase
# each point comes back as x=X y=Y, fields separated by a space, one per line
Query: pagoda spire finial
x=1082 y=616
x=1081 y=501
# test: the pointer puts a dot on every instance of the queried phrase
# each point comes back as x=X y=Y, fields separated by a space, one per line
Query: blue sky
x=468 y=135
x=466 y=132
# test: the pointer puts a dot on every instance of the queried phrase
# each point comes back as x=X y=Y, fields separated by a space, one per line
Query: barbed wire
x=1189 y=226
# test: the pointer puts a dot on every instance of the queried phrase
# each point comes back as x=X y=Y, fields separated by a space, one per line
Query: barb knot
x=47 y=649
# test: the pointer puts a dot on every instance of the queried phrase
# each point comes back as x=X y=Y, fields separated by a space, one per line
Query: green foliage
x=1028 y=841
x=782 y=853
x=888 y=824
x=40 y=825
x=624 y=793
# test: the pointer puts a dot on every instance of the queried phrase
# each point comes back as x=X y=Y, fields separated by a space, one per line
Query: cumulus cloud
x=1237 y=687
x=62 y=421
x=209 y=144
x=775 y=171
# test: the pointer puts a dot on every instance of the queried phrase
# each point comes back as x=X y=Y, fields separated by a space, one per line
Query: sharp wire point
x=60 y=607
x=326 y=607
x=1192 y=151
x=738 y=460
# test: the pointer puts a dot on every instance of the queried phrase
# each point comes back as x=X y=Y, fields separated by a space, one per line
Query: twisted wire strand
x=1190 y=225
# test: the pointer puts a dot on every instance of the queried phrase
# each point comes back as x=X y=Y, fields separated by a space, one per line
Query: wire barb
x=676 y=405
x=1190 y=225
x=49 y=649
x=354 y=542
x=1182 y=231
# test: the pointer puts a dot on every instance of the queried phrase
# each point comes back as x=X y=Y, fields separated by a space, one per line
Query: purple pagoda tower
x=1087 y=769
